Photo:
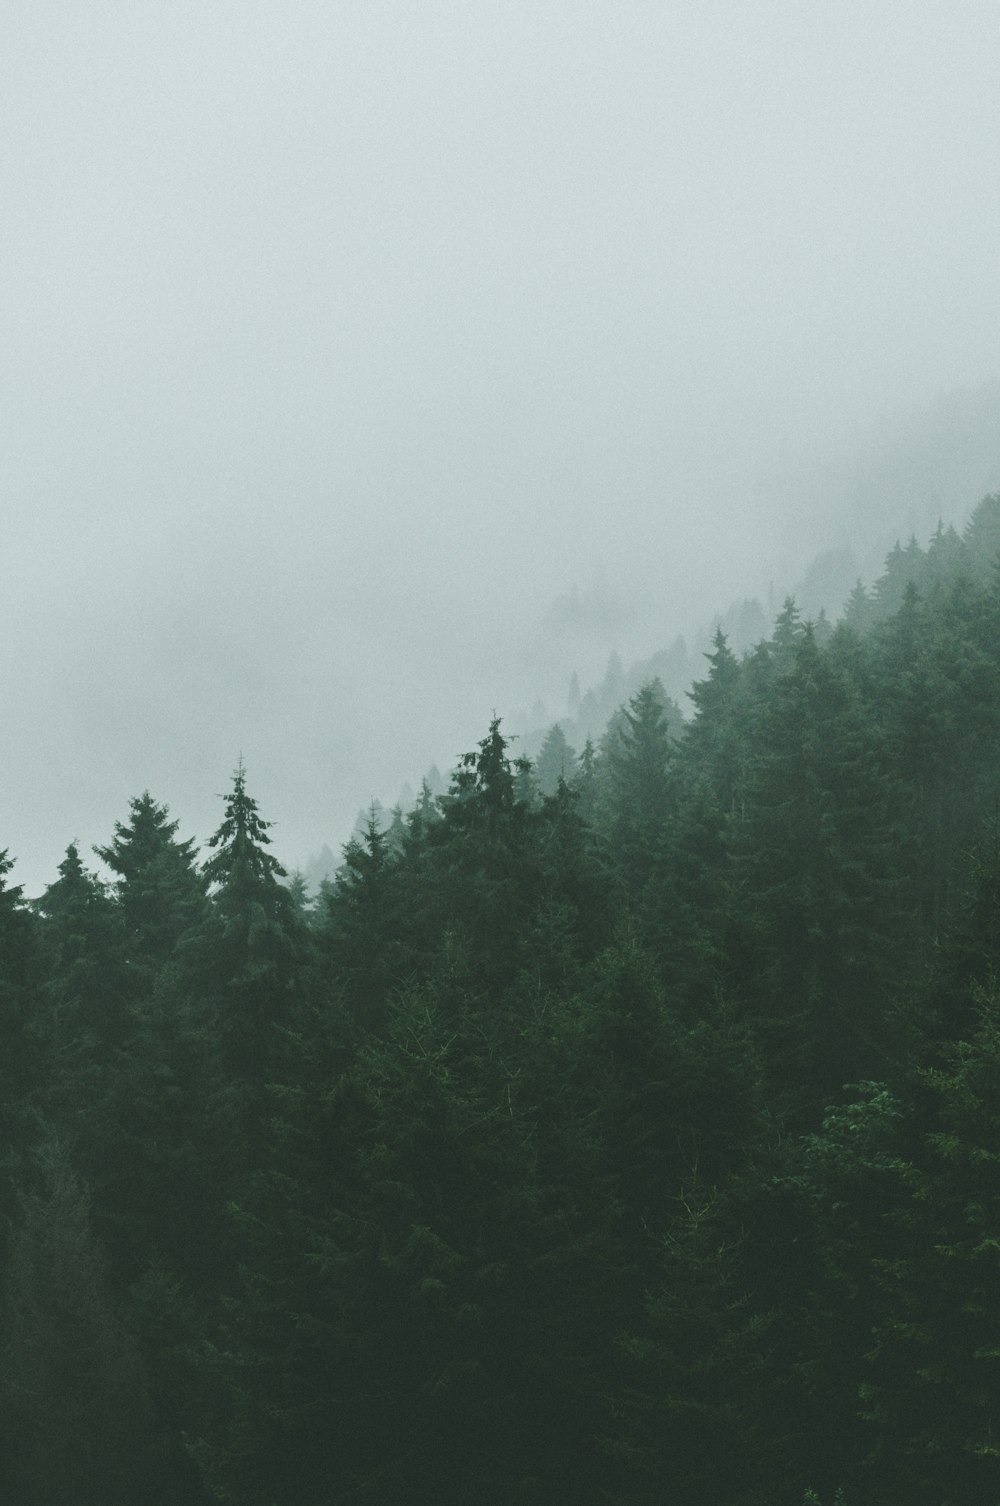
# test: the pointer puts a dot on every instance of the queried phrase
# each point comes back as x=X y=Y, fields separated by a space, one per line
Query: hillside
x=618 y=1127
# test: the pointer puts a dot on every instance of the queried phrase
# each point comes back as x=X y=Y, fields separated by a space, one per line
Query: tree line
x=620 y=1126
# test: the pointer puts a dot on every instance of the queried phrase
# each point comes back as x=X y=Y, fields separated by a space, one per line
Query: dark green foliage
x=21 y=974
x=635 y=791
x=158 y=887
x=934 y=1366
x=358 y=919
x=520 y=1166
x=73 y=1394
x=244 y=956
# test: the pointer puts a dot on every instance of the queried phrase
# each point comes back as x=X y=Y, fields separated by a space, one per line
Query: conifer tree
x=245 y=957
x=788 y=629
x=815 y=849
x=359 y=929
x=85 y=942
x=638 y=797
x=982 y=538
x=555 y=761
x=858 y=611
x=158 y=887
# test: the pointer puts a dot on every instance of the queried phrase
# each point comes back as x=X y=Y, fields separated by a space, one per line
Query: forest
x=619 y=1127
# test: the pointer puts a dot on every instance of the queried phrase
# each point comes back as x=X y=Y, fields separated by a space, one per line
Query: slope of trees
x=617 y=1129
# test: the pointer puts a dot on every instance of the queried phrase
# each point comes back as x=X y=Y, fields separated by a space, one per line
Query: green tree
x=555 y=761
x=982 y=538
x=638 y=798
x=158 y=886
x=86 y=991
x=359 y=929
x=815 y=853
x=247 y=952
x=933 y=1388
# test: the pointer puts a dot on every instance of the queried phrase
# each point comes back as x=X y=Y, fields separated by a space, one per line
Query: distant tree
x=639 y=795
x=556 y=761
x=903 y=567
x=822 y=628
x=788 y=629
x=858 y=612
x=585 y=782
x=982 y=538
x=946 y=558
x=713 y=740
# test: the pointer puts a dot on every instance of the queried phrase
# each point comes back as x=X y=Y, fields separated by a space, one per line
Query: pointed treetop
x=143 y=839
x=240 y=841
x=556 y=760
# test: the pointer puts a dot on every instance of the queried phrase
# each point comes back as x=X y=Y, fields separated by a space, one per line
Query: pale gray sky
x=337 y=340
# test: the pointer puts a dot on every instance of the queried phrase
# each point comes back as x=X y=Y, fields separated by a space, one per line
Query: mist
x=341 y=343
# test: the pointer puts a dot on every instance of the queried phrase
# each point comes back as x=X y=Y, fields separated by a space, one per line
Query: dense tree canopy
x=613 y=1129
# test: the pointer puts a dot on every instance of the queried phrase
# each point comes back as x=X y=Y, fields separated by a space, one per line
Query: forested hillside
x=617 y=1129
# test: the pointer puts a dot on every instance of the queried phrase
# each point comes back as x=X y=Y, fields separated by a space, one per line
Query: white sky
x=337 y=340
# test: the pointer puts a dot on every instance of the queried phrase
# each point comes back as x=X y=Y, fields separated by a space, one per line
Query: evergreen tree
x=788 y=630
x=638 y=799
x=87 y=986
x=585 y=783
x=814 y=850
x=358 y=932
x=557 y=760
x=253 y=906
x=982 y=538
x=243 y=966
x=858 y=613
x=158 y=887
x=946 y=558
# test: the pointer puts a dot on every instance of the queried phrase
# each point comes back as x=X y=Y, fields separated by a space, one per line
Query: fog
x=341 y=341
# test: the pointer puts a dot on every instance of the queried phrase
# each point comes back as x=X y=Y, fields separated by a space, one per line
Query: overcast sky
x=336 y=341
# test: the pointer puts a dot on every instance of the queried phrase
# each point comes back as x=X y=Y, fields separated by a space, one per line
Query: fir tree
x=158 y=887
x=555 y=761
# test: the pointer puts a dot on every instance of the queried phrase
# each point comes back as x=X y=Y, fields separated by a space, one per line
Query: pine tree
x=556 y=760
x=982 y=538
x=639 y=799
x=87 y=987
x=246 y=956
x=858 y=613
x=788 y=630
x=815 y=852
x=358 y=929
x=158 y=887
